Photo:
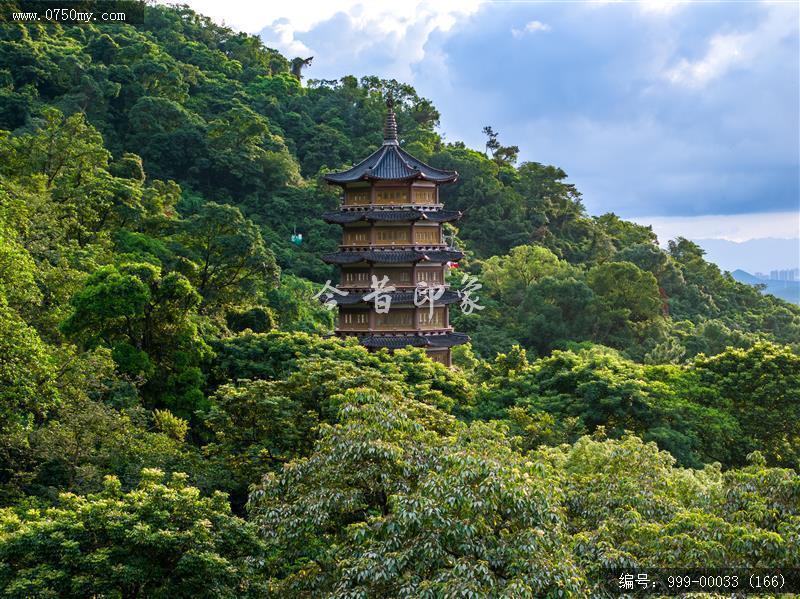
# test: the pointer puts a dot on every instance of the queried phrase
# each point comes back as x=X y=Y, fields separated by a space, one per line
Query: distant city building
x=792 y=274
x=789 y=274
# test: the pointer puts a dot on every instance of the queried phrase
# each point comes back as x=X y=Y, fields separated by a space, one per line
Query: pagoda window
x=357 y=237
x=392 y=235
x=431 y=321
x=427 y=235
x=353 y=320
x=395 y=318
x=425 y=196
x=429 y=276
x=391 y=196
x=356 y=277
x=354 y=198
x=397 y=276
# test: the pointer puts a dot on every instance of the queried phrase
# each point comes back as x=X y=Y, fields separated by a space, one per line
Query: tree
x=632 y=508
x=623 y=286
x=556 y=311
x=256 y=426
x=146 y=318
x=631 y=305
x=760 y=387
x=407 y=502
x=233 y=265
x=161 y=539
x=509 y=277
x=67 y=158
x=28 y=384
x=499 y=153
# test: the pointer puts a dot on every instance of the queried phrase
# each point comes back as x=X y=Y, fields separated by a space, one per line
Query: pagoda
x=392 y=220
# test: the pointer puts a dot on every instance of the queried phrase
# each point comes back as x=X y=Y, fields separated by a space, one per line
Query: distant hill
x=754 y=255
x=787 y=290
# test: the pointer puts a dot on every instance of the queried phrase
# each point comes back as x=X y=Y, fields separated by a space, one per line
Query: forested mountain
x=175 y=421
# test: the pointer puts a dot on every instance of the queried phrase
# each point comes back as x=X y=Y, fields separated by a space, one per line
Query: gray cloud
x=686 y=112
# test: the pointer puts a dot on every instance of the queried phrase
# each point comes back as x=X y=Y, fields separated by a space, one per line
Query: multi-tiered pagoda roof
x=390 y=162
x=392 y=221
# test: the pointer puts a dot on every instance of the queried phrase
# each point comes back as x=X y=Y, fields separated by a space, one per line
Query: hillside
x=754 y=255
x=176 y=420
x=785 y=290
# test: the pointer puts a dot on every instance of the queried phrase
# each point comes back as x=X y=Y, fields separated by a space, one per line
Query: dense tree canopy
x=176 y=419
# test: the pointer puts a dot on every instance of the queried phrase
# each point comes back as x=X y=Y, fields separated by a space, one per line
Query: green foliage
x=161 y=539
x=257 y=426
x=172 y=426
x=233 y=265
x=27 y=371
x=760 y=387
x=147 y=317
x=329 y=364
x=630 y=507
x=155 y=314
x=297 y=309
x=407 y=502
x=713 y=409
x=85 y=441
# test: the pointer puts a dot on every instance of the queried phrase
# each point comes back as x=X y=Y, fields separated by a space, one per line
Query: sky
x=684 y=115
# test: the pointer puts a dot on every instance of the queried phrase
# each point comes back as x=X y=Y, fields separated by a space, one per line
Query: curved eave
x=392 y=256
x=427 y=341
x=399 y=298
x=373 y=178
x=390 y=163
x=345 y=217
x=411 y=177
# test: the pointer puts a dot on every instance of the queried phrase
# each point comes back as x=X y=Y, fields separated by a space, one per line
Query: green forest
x=176 y=419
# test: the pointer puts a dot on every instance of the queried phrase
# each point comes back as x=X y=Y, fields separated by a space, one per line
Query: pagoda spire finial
x=390 y=127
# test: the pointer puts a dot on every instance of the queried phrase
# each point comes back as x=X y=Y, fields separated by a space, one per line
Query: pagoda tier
x=398 y=298
x=391 y=219
x=353 y=215
x=391 y=163
x=393 y=256
x=446 y=340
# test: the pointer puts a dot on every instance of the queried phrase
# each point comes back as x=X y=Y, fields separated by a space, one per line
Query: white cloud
x=285 y=39
x=531 y=27
x=397 y=31
x=724 y=52
x=651 y=7
x=384 y=38
x=737 y=49
x=660 y=7
x=252 y=17
x=733 y=227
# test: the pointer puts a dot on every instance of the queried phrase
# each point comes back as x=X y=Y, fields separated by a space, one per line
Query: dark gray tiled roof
x=392 y=256
x=397 y=297
x=448 y=340
x=392 y=342
x=343 y=257
x=398 y=341
x=443 y=255
x=342 y=217
x=391 y=163
x=442 y=216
